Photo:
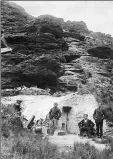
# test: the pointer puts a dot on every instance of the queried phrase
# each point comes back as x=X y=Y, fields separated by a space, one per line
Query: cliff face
x=13 y=17
x=48 y=52
x=36 y=53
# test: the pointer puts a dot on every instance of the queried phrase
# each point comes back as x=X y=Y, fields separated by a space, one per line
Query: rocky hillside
x=13 y=17
x=50 y=53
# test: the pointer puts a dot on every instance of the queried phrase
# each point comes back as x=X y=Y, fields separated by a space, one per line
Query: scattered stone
x=33 y=91
x=69 y=73
x=9 y=92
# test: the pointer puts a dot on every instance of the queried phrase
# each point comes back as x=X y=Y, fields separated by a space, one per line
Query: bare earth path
x=66 y=142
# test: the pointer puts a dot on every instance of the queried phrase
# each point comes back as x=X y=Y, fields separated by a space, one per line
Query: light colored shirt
x=85 y=120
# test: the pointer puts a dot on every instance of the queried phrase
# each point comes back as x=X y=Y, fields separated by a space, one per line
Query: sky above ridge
x=98 y=15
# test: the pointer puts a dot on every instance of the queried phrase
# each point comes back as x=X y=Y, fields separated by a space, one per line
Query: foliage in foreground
x=22 y=144
x=31 y=146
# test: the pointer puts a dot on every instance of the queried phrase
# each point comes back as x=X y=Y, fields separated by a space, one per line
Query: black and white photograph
x=56 y=79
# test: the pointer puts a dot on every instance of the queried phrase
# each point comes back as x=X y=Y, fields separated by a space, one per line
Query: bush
x=5 y=129
x=11 y=122
x=30 y=146
x=108 y=114
x=85 y=151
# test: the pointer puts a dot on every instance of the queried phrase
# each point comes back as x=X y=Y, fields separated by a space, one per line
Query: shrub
x=30 y=146
x=11 y=122
x=5 y=129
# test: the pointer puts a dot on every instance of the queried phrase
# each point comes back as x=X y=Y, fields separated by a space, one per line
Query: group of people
x=86 y=126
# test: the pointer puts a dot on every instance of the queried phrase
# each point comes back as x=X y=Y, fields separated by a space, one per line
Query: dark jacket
x=98 y=115
x=89 y=123
x=55 y=113
x=17 y=107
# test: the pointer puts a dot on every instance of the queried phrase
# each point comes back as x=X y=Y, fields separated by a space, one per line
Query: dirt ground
x=66 y=142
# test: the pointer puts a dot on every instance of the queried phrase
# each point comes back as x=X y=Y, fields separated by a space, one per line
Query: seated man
x=86 y=126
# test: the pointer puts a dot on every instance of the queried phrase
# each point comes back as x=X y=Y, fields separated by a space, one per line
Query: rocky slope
x=13 y=17
x=50 y=53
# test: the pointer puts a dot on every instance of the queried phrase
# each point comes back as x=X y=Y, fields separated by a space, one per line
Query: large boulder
x=42 y=71
x=34 y=42
x=56 y=30
x=42 y=19
x=69 y=82
x=16 y=39
x=71 y=55
x=76 y=27
x=101 y=52
x=74 y=35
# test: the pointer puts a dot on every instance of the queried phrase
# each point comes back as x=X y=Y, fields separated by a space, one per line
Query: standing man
x=99 y=116
x=54 y=115
x=18 y=107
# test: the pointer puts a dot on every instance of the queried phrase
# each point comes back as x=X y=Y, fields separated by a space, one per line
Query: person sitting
x=86 y=126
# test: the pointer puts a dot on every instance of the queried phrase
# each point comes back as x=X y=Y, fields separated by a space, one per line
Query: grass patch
x=11 y=122
x=24 y=144
x=32 y=146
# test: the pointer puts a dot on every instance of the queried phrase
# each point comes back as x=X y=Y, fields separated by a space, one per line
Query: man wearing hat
x=54 y=115
x=99 y=116
x=18 y=107
x=86 y=126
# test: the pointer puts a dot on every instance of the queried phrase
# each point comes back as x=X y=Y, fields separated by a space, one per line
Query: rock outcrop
x=102 y=52
x=55 y=30
x=48 y=52
x=33 y=42
x=76 y=27
x=41 y=71
x=14 y=18
x=24 y=91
